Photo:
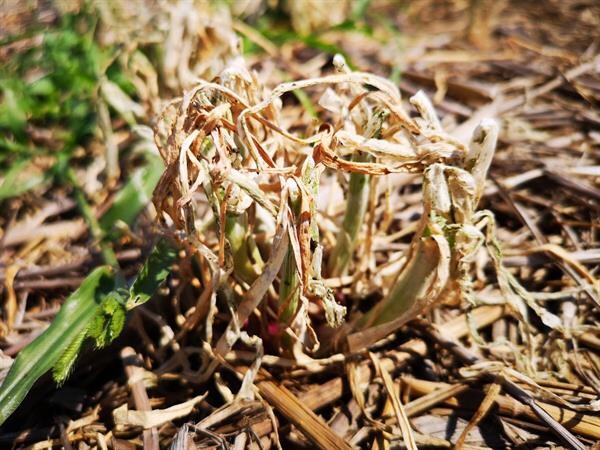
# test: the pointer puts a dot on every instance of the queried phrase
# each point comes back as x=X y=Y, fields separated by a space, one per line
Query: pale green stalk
x=413 y=284
x=356 y=206
x=289 y=288
x=354 y=216
x=444 y=247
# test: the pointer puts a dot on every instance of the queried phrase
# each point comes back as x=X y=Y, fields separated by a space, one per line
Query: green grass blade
x=356 y=206
x=20 y=178
x=153 y=273
x=45 y=352
x=96 y=230
x=133 y=197
x=289 y=289
x=412 y=287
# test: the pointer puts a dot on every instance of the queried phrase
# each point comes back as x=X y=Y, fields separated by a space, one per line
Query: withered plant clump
x=249 y=188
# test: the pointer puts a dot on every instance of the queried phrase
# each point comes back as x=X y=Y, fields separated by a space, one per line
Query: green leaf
x=153 y=274
x=20 y=178
x=95 y=310
x=133 y=197
x=14 y=105
x=58 y=343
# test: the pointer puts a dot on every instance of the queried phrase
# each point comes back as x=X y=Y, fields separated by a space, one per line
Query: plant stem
x=412 y=290
x=289 y=289
x=356 y=207
x=357 y=204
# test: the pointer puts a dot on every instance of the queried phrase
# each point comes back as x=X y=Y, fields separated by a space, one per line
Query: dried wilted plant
x=240 y=192
x=243 y=191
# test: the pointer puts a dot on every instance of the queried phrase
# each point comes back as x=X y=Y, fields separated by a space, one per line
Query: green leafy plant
x=54 y=85
x=49 y=101
x=96 y=312
x=56 y=349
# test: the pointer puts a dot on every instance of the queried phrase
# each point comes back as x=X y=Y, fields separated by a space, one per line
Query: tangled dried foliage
x=241 y=190
x=229 y=140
